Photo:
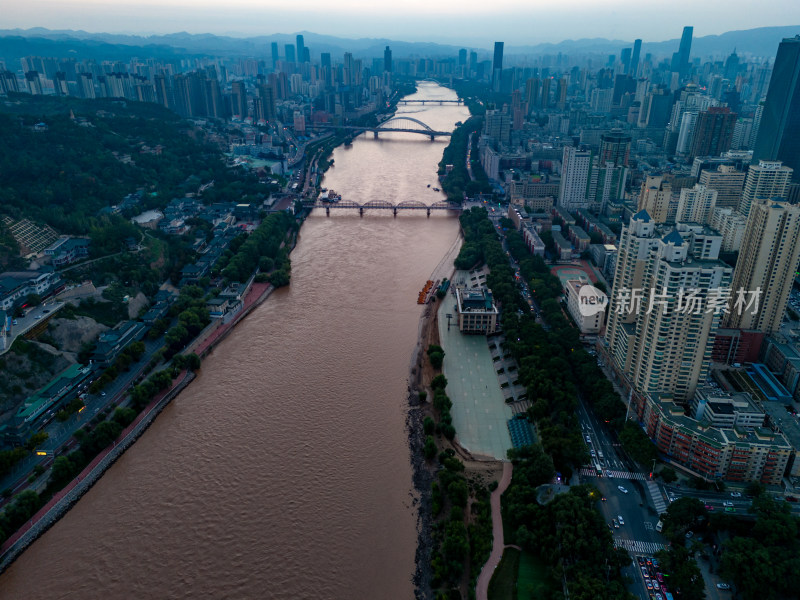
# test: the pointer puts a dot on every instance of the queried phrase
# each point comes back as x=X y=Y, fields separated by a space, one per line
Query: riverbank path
x=498 y=545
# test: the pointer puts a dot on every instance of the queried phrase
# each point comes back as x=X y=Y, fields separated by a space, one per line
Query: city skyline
x=515 y=22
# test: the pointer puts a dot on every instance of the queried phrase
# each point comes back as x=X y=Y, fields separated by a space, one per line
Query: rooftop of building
x=475 y=300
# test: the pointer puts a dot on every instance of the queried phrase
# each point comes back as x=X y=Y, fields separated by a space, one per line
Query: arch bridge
x=406 y=205
x=399 y=123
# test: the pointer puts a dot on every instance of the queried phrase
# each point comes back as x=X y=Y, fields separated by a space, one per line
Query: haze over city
x=471 y=23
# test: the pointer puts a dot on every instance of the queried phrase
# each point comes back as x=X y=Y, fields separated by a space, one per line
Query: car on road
x=622 y=489
x=640 y=559
x=736 y=494
x=709 y=507
x=616 y=524
x=102 y=393
x=594 y=453
x=727 y=503
x=588 y=440
x=791 y=499
x=723 y=586
x=621 y=520
x=730 y=509
x=645 y=574
x=609 y=474
x=649 y=584
x=689 y=535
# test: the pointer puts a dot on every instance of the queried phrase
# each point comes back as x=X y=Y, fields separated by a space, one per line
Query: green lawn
x=533 y=579
x=503 y=583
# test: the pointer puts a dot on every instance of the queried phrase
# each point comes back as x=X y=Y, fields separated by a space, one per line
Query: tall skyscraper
x=767 y=179
x=497 y=66
x=462 y=57
x=301 y=49
x=684 y=50
x=659 y=343
x=767 y=262
x=635 y=57
x=275 y=55
x=289 y=52
x=625 y=59
x=778 y=135
x=387 y=60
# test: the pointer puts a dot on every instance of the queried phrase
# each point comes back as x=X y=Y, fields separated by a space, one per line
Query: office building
x=778 y=135
x=387 y=60
x=301 y=49
x=275 y=55
x=497 y=66
x=476 y=311
x=288 y=51
x=635 y=57
x=767 y=262
x=767 y=179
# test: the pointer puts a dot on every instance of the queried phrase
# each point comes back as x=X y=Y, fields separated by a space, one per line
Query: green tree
x=429 y=449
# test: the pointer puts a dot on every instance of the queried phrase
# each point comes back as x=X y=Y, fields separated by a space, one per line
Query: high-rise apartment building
x=657 y=340
x=655 y=197
x=713 y=132
x=728 y=182
x=615 y=147
x=767 y=262
x=696 y=205
x=767 y=179
x=575 y=170
x=779 y=128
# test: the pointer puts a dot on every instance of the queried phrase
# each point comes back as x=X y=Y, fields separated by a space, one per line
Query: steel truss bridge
x=401 y=124
x=406 y=205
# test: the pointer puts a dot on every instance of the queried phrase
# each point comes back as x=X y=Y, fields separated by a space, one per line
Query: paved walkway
x=482 y=586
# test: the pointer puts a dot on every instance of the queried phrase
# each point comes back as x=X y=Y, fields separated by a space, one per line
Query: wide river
x=283 y=470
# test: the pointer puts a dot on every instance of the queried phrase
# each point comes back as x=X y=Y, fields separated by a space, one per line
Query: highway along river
x=283 y=470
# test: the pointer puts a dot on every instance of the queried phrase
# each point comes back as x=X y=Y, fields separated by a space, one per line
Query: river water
x=283 y=470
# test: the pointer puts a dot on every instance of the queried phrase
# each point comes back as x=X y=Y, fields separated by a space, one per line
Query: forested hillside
x=89 y=154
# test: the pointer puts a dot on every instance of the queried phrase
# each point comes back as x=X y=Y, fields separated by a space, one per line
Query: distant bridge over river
x=440 y=102
x=407 y=205
x=400 y=123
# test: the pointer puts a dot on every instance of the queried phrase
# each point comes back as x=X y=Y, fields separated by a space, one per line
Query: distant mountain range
x=16 y=43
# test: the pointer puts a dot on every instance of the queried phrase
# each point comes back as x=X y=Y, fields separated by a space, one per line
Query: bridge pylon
x=360 y=211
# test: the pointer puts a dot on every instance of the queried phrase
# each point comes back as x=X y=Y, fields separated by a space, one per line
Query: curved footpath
x=482 y=587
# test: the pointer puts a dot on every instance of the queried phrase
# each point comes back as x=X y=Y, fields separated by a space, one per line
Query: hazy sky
x=462 y=22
